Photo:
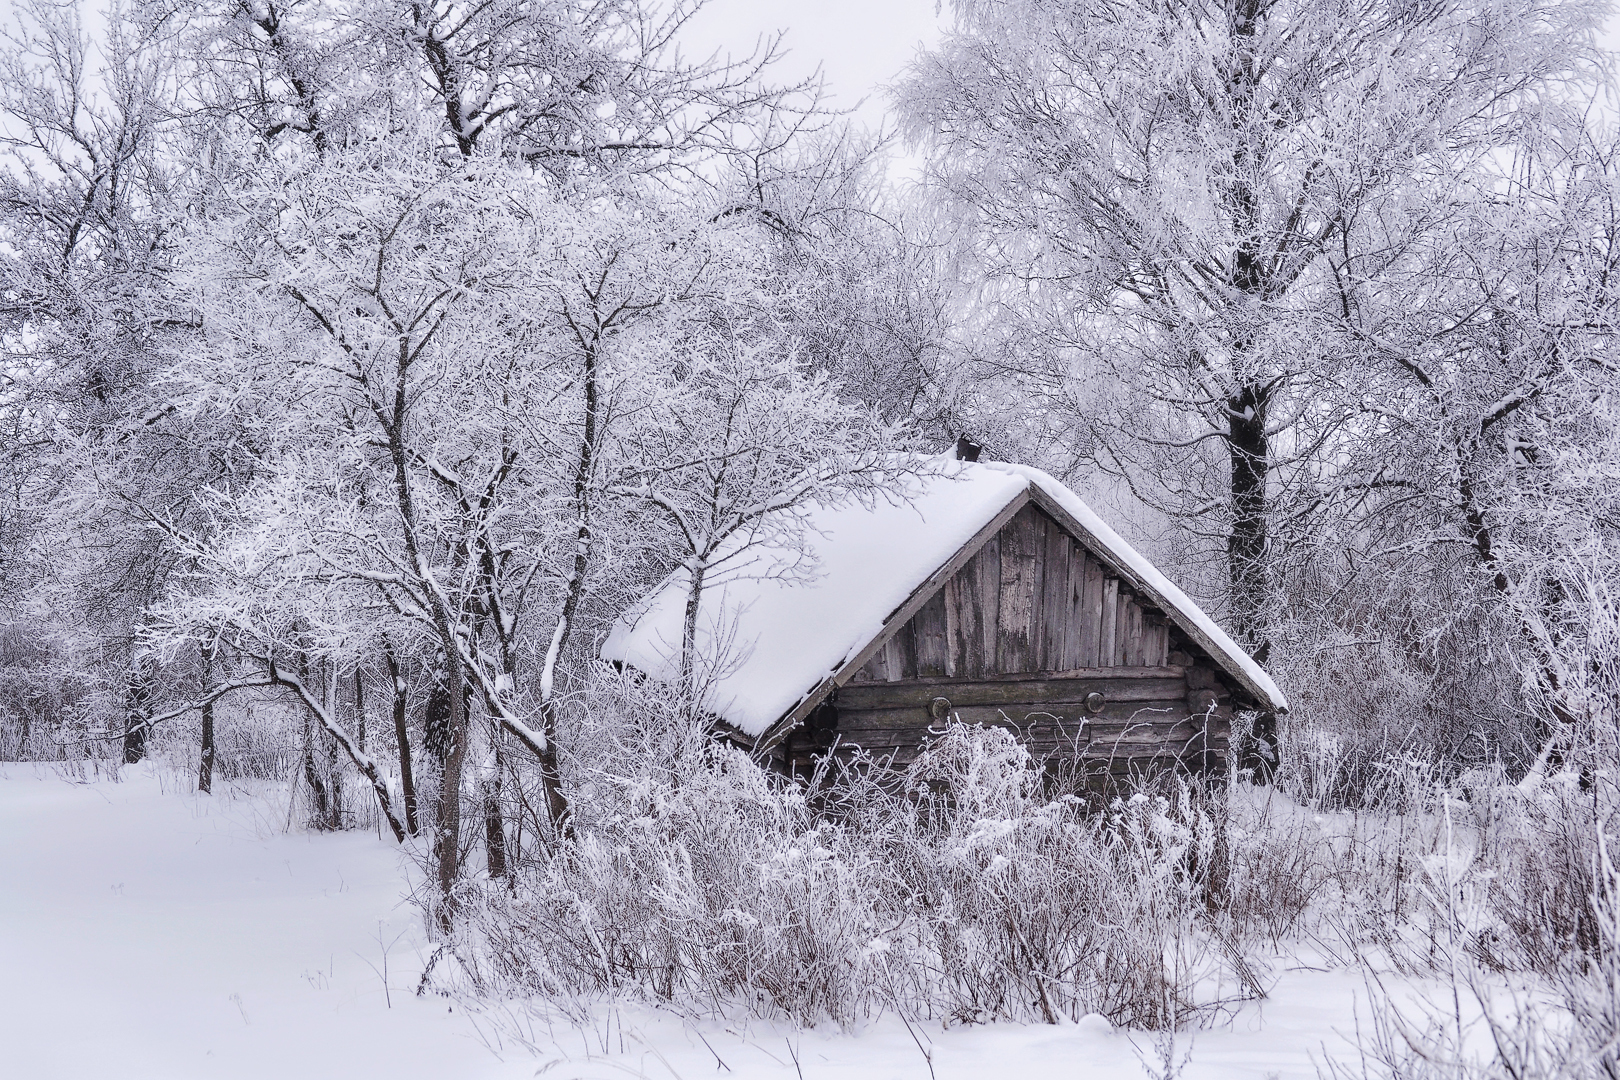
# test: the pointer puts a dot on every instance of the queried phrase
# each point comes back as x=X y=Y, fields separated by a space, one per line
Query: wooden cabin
x=987 y=593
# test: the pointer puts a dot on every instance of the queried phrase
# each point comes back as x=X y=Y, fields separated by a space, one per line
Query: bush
x=960 y=891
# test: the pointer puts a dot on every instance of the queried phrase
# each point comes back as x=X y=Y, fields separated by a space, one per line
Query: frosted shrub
x=1033 y=910
x=51 y=709
x=961 y=893
x=693 y=877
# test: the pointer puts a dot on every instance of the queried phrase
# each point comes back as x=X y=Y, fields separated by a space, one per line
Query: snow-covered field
x=147 y=932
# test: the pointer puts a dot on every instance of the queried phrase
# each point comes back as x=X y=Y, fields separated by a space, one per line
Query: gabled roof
x=773 y=640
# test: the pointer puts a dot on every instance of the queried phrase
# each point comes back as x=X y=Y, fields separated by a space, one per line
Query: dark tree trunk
x=205 y=765
x=584 y=471
x=319 y=794
x=1247 y=554
x=494 y=826
x=436 y=723
x=137 y=715
x=360 y=707
x=407 y=783
x=447 y=837
x=1249 y=539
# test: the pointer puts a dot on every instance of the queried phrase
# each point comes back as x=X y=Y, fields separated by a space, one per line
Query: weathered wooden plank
x=897 y=757
x=1091 y=616
x=929 y=632
x=891 y=659
x=1047 y=729
x=1051 y=738
x=1154 y=636
x=969 y=662
x=905 y=643
x=1120 y=718
x=1178 y=739
x=1070 y=717
x=1107 y=636
x=954 y=645
x=1020 y=555
x=873 y=671
x=1166 y=671
x=1131 y=654
x=1122 y=628
x=1074 y=585
x=1054 y=601
x=1037 y=600
x=892 y=695
x=988 y=575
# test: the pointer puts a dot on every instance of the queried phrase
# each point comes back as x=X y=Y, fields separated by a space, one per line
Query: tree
x=1490 y=376
x=90 y=195
x=1181 y=197
x=735 y=446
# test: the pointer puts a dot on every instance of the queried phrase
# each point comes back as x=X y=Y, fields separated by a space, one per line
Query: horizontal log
x=1164 y=671
x=918 y=720
x=1018 y=716
x=919 y=692
x=1181 y=729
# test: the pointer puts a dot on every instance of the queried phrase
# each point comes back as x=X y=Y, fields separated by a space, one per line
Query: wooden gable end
x=1032 y=599
x=1030 y=630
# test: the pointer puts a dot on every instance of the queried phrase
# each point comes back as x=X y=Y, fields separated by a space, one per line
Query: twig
x=718 y=1063
x=427 y=972
x=928 y=1054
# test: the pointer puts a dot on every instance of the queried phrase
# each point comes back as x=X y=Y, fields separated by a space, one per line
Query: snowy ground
x=149 y=932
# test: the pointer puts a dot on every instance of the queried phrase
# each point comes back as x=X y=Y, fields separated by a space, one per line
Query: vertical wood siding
x=1033 y=599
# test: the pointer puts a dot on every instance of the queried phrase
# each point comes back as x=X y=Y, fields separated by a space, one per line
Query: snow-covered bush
x=959 y=891
x=693 y=877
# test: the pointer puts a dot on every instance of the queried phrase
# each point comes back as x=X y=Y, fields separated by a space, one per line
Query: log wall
x=1149 y=718
x=1020 y=638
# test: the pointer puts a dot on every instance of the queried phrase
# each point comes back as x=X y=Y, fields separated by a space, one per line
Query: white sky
x=859 y=44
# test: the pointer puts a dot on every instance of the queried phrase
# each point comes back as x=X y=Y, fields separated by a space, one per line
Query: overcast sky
x=859 y=44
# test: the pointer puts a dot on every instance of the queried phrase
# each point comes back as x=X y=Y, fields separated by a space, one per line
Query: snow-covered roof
x=768 y=635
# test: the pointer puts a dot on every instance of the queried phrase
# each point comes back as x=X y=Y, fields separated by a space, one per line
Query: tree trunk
x=1247 y=544
x=360 y=707
x=584 y=470
x=694 y=597
x=334 y=767
x=1247 y=553
x=494 y=827
x=205 y=766
x=318 y=793
x=137 y=714
x=447 y=835
x=436 y=723
x=407 y=784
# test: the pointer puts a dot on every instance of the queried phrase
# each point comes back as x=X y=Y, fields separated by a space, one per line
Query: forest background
x=365 y=362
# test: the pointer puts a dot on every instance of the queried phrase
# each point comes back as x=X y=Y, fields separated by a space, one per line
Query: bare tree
x=1182 y=198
